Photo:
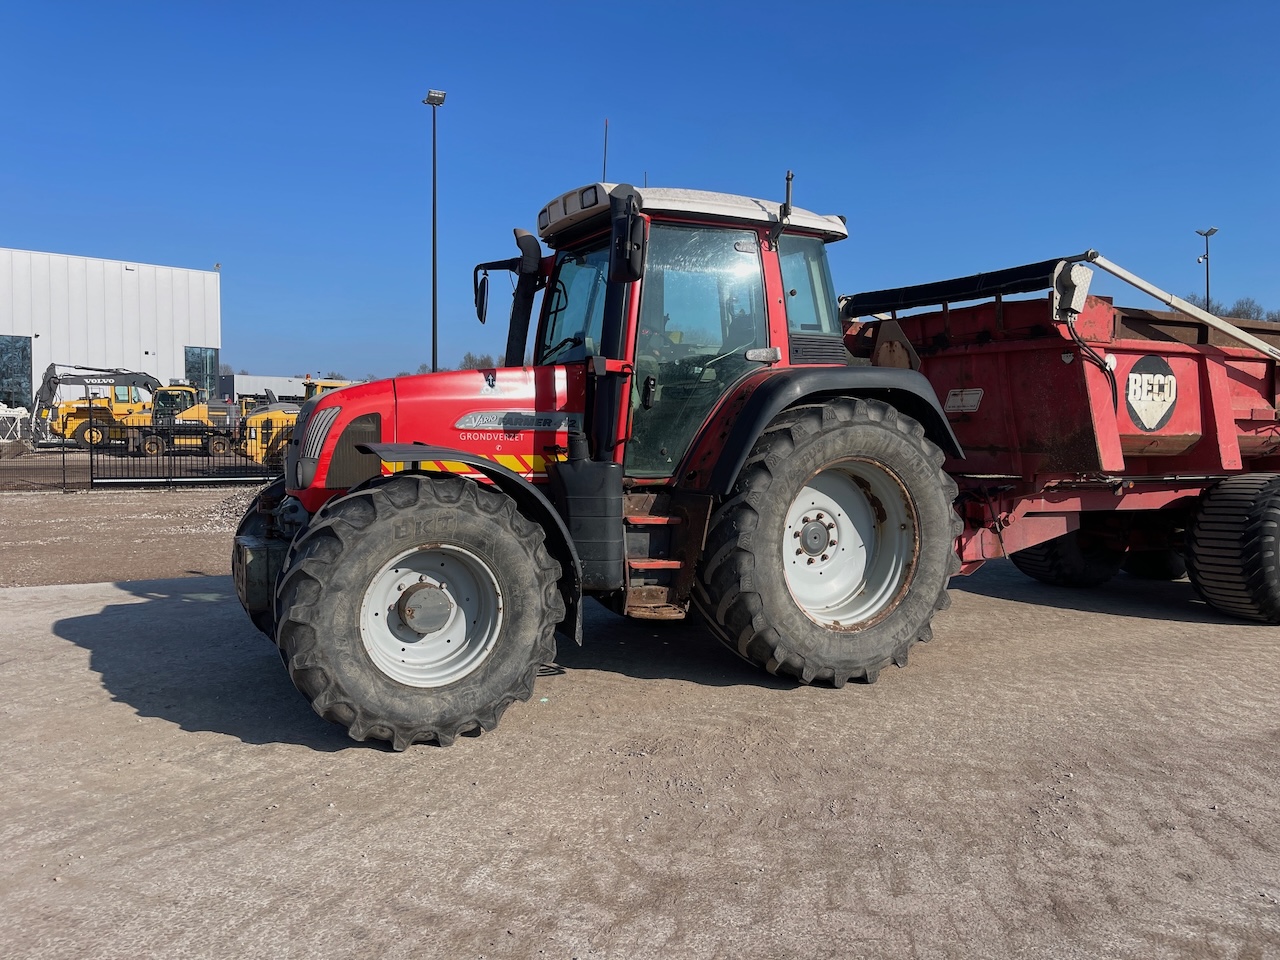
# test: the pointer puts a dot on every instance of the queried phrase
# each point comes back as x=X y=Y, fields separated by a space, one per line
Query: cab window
x=810 y=295
x=574 y=305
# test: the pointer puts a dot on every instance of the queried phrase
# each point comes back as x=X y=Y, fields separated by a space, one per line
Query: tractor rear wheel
x=418 y=609
x=1233 y=550
x=832 y=553
x=1081 y=558
x=90 y=435
x=254 y=523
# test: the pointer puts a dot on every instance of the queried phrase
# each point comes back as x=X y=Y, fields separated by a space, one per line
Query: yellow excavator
x=177 y=415
x=265 y=430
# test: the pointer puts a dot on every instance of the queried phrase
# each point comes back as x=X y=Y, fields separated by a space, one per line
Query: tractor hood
x=516 y=416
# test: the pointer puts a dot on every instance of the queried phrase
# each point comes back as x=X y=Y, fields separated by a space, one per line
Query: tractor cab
x=676 y=297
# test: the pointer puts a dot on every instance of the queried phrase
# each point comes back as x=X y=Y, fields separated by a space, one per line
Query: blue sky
x=287 y=141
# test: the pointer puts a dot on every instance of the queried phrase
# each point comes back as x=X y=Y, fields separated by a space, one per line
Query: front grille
x=317 y=431
x=349 y=466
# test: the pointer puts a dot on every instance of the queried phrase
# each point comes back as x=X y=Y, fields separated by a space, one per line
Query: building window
x=15 y=371
x=202 y=368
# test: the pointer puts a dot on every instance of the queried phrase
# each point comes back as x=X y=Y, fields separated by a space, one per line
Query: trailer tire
x=855 y=496
x=1075 y=559
x=1233 y=550
x=481 y=575
x=90 y=436
x=1155 y=564
x=152 y=445
x=218 y=446
x=254 y=524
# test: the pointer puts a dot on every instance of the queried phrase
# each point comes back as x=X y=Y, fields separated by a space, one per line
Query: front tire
x=833 y=552
x=418 y=609
x=90 y=436
x=254 y=523
x=1233 y=547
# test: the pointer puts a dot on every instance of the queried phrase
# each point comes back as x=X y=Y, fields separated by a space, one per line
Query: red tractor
x=691 y=433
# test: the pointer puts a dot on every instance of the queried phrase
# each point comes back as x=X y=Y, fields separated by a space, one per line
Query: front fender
x=530 y=501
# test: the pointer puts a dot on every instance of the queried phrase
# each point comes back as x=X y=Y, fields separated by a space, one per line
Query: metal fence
x=96 y=449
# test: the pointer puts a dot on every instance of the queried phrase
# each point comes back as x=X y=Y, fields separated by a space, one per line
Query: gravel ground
x=94 y=536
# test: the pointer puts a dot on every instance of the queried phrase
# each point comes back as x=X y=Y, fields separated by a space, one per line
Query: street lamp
x=1205 y=260
x=434 y=99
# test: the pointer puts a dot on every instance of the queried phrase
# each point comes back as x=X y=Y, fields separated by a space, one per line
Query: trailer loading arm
x=1182 y=306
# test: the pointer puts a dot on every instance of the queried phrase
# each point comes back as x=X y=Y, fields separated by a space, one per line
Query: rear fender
x=905 y=390
x=530 y=501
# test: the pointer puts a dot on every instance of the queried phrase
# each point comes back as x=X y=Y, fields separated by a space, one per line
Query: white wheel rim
x=850 y=544
x=430 y=617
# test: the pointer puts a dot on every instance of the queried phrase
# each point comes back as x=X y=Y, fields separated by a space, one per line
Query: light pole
x=1205 y=260
x=434 y=99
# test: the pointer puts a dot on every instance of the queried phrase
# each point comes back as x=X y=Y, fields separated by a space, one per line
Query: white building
x=82 y=311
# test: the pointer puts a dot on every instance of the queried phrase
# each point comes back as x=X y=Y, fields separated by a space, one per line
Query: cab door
x=702 y=308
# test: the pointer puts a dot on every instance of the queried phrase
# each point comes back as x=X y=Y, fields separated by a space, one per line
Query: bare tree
x=471 y=361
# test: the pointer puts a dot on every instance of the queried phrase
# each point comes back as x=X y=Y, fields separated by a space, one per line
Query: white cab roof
x=587 y=202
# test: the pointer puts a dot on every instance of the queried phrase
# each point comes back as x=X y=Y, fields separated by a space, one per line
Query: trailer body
x=1109 y=412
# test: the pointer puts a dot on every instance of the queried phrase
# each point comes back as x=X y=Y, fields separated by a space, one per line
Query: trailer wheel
x=218 y=446
x=254 y=524
x=90 y=435
x=1155 y=564
x=418 y=609
x=832 y=553
x=1081 y=558
x=153 y=445
x=1233 y=555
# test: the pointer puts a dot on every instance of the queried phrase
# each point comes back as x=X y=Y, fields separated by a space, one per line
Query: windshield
x=170 y=399
x=575 y=305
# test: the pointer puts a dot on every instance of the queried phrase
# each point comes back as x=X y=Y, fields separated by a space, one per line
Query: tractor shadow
x=1123 y=596
x=657 y=650
x=183 y=651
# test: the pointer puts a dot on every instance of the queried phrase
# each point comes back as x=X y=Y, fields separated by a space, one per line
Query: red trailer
x=1098 y=436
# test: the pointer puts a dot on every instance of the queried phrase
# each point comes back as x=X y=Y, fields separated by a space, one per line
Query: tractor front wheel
x=832 y=553
x=418 y=609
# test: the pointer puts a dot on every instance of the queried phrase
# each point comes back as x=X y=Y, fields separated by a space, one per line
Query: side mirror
x=482 y=298
x=627 y=243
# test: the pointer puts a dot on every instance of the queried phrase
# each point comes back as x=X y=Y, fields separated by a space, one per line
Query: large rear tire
x=418 y=609
x=1233 y=550
x=254 y=523
x=832 y=554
